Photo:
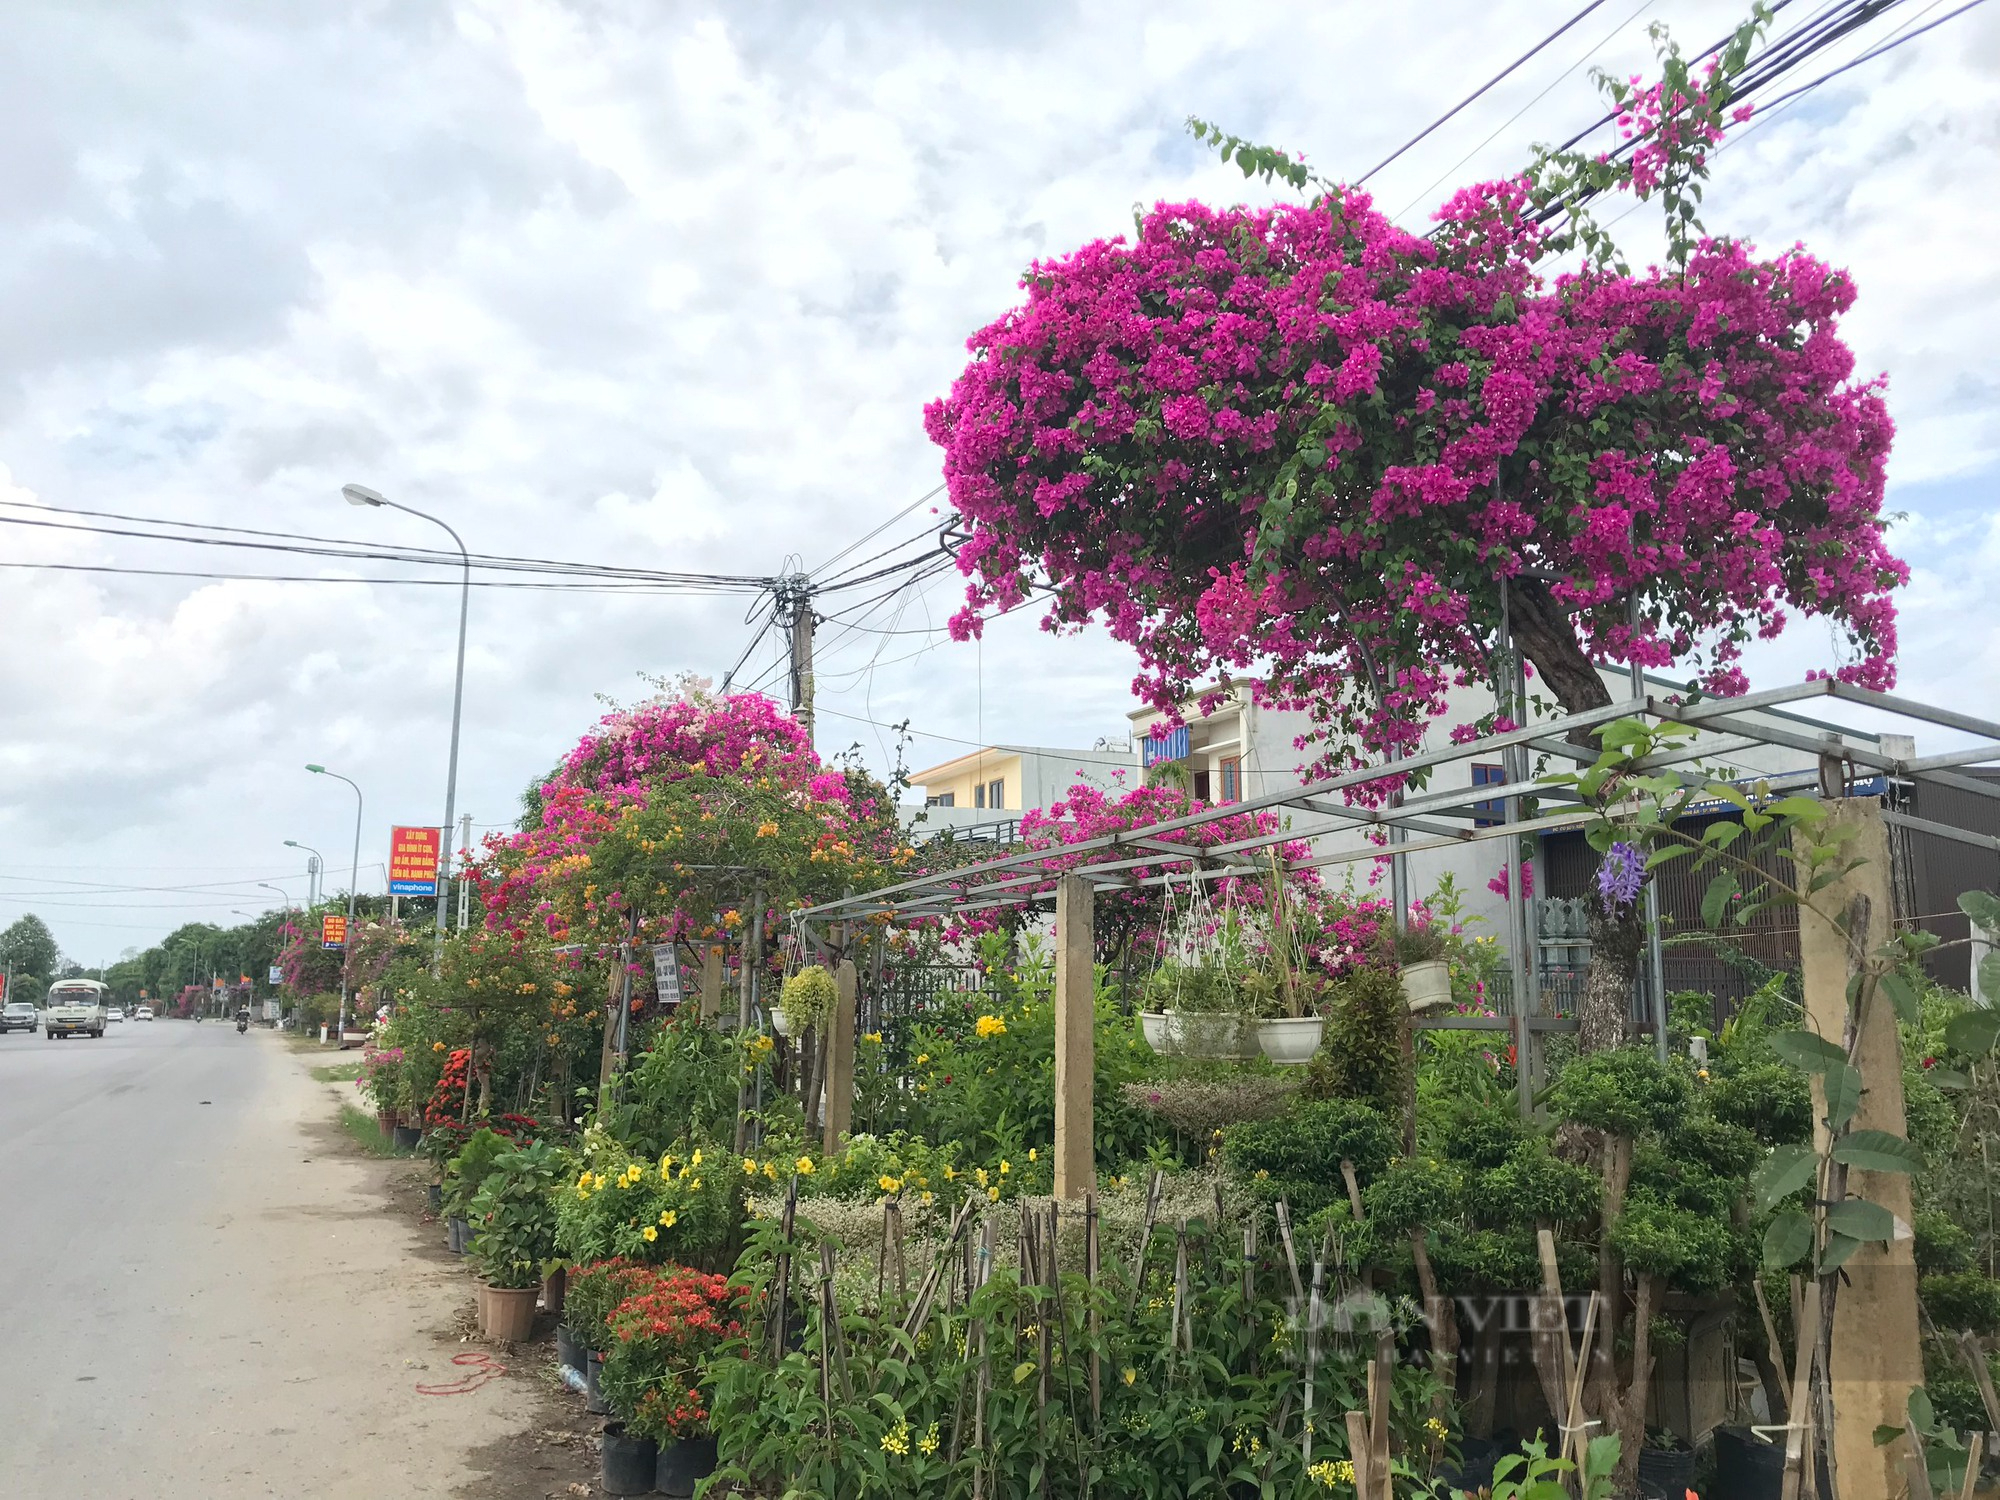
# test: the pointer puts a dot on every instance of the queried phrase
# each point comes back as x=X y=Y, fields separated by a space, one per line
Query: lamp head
x=292 y=844
x=317 y=770
x=360 y=494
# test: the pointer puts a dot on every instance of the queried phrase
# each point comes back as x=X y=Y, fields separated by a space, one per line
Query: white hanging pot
x=1427 y=984
x=1160 y=1033
x=1290 y=1041
x=1214 y=1034
x=779 y=1023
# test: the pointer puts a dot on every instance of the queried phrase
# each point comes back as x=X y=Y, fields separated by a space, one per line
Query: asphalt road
x=203 y=1294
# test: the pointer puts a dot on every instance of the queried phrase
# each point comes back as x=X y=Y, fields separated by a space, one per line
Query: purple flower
x=1619 y=877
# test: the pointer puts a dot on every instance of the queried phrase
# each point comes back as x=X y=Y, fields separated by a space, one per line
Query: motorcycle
x=242 y=1026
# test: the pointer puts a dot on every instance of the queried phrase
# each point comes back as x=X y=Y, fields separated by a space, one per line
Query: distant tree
x=28 y=947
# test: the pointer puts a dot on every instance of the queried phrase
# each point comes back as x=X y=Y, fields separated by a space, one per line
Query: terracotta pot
x=1291 y=1041
x=1427 y=984
x=510 y=1312
x=479 y=1290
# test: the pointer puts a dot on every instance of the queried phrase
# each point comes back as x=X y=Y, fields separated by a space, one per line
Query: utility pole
x=795 y=613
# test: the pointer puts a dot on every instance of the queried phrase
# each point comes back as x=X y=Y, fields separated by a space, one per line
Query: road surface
x=203 y=1292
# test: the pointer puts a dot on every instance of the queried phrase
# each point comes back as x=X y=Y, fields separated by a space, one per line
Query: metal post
x=464 y=881
x=1511 y=697
x=1656 y=966
x=353 y=885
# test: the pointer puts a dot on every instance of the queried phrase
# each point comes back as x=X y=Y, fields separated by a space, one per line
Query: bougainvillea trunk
x=1617 y=943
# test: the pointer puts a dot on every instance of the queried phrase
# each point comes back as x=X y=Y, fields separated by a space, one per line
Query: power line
x=1476 y=93
x=651 y=590
x=863 y=540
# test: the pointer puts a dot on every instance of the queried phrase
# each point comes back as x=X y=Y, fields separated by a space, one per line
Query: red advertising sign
x=333 y=932
x=413 y=861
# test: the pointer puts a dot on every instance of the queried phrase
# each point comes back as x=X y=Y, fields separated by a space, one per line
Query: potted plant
x=514 y=1240
x=1278 y=992
x=1196 y=1010
x=806 y=999
x=1426 y=973
x=464 y=1175
x=661 y=1338
x=1666 y=1463
x=594 y=1291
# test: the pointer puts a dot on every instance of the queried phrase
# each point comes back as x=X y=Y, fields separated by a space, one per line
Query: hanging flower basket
x=1290 y=1041
x=1427 y=984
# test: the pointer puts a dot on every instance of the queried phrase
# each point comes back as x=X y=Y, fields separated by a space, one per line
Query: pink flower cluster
x=1301 y=442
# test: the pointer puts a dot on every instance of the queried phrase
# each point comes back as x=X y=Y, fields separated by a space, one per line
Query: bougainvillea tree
x=1302 y=443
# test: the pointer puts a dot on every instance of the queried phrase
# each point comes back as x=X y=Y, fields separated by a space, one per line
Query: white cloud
x=659 y=285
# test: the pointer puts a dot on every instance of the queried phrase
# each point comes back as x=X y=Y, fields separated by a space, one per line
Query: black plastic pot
x=407 y=1137
x=682 y=1464
x=568 y=1350
x=627 y=1462
x=1666 y=1471
x=1476 y=1458
x=1747 y=1467
x=436 y=1195
x=593 y=1396
x=459 y=1235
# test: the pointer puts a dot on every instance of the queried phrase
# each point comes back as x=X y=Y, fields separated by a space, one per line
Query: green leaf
x=1859 y=1219
x=1923 y=1416
x=1843 y=1095
x=1903 y=995
x=1948 y=1079
x=1983 y=907
x=1715 y=900
x=1838 y=1248
x=1783 y=1173
x=1989 y=975
x=1975 y=1032
x=1885 y=1435
x=1662 y=855
x=1807 y=1051
x=1878 y=1151
x=1789 y=1237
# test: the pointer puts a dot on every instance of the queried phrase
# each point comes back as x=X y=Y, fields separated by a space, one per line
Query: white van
x=74 y=1007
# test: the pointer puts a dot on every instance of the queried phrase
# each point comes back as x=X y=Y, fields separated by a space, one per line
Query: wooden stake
x=1291 y=1253
x=1145 y=1240
x=920 y=1310
x=781 y=1304
x=1771 y=1338
x=1353 y=1188
x=1798 y=1434
x=1975 y=1355
x=840 y=1059
x=1975 y=1453
x=1357 y=1445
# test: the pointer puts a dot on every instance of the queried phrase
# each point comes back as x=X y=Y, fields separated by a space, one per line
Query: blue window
x=1488 y=814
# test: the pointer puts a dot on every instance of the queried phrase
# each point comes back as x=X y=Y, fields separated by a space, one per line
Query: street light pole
x=360 y=494
x=353 y=884
x=311 y=868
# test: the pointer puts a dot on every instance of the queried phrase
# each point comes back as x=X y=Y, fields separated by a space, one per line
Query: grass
x=363 y=1129
x=345 y=1072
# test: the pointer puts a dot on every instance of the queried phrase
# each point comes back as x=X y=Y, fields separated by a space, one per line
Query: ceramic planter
x=510 y=1312
x=1158 y=1029
x=1291 y=1041
x=682 y=1464
x=628 y=1462
x=1427 y=984
x=779 y=1022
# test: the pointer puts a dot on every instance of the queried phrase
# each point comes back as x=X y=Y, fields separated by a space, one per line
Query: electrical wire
x=1476 y=93
x=863 y=540
x=647 y=589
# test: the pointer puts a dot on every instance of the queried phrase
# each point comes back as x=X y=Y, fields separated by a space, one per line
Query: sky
x=668 y=286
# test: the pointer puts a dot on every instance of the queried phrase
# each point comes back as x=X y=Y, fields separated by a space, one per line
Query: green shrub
x=1962 y=1301
x=1534 y=1186
x=1480 y=1134
x=1770 y=1100
x=1683 y=1182
x=1414 y=1191
x=1942 y=1244
x=1726 y=1149
x=808 y=997
x=1623 y=1092
x=1363 y=1056
x=1296 y=1156
x=1692 y=1252
x=466 y=1172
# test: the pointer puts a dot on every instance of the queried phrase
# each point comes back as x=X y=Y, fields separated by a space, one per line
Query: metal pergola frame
x=1444 y=819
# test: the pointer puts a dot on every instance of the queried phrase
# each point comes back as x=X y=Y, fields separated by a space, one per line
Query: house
x=983 y=792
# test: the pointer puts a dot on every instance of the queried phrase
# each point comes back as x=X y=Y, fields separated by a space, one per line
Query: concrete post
x=1876 y=1357
x=840 y=1057
x=1076 y=1019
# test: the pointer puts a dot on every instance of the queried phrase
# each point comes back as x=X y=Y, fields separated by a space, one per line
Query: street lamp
x=360 y=494
x=353 y=884
x=317 y=864
x=284 y=901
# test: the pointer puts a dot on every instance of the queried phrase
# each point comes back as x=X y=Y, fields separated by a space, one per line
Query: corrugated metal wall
x=1934 y=871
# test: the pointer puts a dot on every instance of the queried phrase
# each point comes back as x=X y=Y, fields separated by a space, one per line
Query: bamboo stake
x=826 y=1361
x=1249 y=1288
x=1917 y=1473
x=984 y=1374
x=1555 y=1311
x=826 y=1260
x=1798 y=1431
x=920 y=1311
x=1092 y=1273
x=1353 y=1186
x=1975 y=1354
x=1291 y=1253
x=1777 y=1349
x=1975 y=1452
x=1379 y=1376
x=1574 y=1427
x=1180 y=1286
x=1145 y=1240
x=782 y=1303
x=1312 y=1366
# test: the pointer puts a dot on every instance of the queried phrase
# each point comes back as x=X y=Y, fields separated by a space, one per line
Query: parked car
x=116 y=1013
x=19 y=1015
x=143 y=1013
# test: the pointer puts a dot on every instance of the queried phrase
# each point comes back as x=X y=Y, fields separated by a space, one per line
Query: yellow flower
x=669 y=1219
x=1129 y=1375
x=598 y=1182
x=804 y=1166
x=1702 y=1074
x=980 y=1176
x=437 y=1046
x=989 y=1026
x=1033 y=1154
x=993 y=1195
x=695 y=1160
x=872 y=1036
x=1263 y=1175
x=1006 y=1167
x=950 y=1172
x=649 y=1234
x=928 y=1197
x=1436 y=1428
x=928 y=1443
x=922 y=1058
x=888 y=1184
x=1331 y=1472
x=749 y=1167
x=771 y=1170
x=897 y=1440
